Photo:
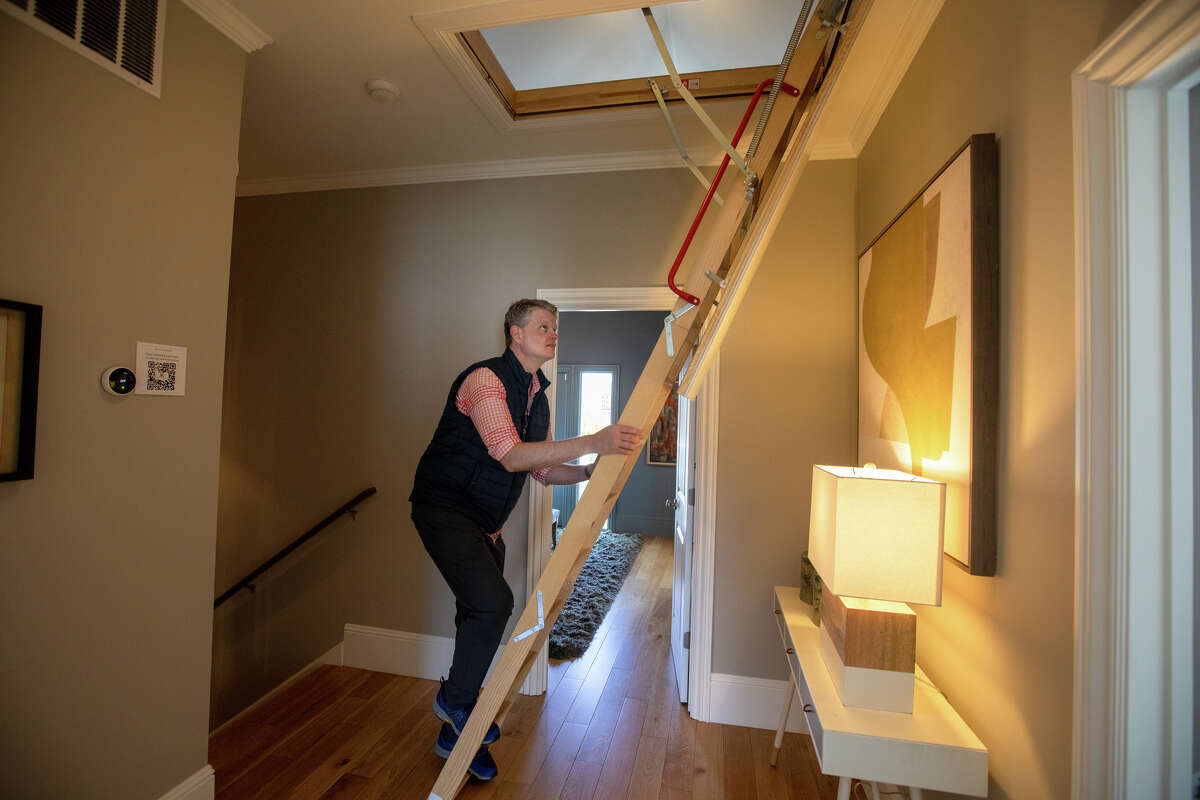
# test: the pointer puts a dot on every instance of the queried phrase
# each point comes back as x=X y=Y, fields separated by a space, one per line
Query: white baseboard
x=752 y=703
x=417 y=655
x=201 y=786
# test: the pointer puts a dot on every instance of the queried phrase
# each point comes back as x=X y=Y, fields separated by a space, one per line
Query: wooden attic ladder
x=721 y=272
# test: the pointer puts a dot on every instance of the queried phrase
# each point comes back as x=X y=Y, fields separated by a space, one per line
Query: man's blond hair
x=518 y=314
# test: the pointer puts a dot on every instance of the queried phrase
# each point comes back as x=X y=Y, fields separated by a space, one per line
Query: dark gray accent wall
x=624 y=338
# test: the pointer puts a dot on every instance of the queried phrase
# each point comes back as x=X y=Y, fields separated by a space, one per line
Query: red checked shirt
x=482 y=398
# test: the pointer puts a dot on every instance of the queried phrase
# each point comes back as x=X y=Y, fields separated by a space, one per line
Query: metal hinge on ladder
x=687 y=640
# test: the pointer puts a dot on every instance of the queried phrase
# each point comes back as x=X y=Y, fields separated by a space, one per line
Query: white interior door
x=681 y=587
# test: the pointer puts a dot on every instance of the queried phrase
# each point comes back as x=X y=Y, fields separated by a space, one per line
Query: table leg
x=844 y=785
x=787 y=707
x=914 y=792
x=874 y=790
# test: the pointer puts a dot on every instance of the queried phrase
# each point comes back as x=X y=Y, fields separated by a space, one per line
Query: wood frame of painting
x=661 y=441
x=920 y=389
x=20 y=346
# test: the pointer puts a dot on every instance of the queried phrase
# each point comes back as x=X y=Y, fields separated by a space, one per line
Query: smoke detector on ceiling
x=383 y=91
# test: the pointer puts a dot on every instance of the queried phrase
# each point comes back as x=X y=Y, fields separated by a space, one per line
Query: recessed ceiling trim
x=441 y=29
x=479 y=170
x=233 y=23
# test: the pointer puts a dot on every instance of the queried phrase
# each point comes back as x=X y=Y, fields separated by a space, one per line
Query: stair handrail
x=247 y=582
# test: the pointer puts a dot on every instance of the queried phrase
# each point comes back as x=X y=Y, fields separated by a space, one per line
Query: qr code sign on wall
x=162 y=369
x=160 y=376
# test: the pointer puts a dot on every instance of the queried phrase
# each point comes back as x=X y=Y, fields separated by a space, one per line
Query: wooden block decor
x=883 y=636
x=780 y=157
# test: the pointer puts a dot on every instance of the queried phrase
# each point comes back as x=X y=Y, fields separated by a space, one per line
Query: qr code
x=160 y=376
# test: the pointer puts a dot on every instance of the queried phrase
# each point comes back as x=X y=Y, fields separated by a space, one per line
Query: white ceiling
x=307 y=122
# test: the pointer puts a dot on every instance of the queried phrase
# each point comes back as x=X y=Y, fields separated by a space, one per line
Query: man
x=494 y=430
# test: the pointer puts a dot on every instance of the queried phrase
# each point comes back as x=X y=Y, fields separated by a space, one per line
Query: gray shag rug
x=594 y=592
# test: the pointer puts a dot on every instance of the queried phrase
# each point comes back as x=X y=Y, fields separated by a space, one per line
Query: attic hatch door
x=723 y=48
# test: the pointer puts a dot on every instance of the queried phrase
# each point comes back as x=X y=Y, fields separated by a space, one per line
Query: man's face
x=536 y=339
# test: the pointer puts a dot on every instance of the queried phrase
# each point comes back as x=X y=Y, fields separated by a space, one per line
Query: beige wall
x=350 y=313
x=789 y=400
x=115 y=214
x=1001 y=648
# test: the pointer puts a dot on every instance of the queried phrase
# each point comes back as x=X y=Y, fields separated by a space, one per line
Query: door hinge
x=687 y=640
x=691 y=495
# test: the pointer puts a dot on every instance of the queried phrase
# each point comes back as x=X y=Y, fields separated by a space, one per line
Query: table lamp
x=875 y=538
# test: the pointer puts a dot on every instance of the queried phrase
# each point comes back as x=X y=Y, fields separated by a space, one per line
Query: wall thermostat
x=118 y=381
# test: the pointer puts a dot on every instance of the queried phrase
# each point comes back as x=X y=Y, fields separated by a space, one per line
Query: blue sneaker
x=483 y=766
x=457 y=717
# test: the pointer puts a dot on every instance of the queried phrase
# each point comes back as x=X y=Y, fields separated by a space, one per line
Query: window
x=586 y=403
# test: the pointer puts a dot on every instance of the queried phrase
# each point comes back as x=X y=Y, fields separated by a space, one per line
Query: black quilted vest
x=456 y=470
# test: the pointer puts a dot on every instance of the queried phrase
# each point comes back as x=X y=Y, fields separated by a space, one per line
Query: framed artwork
x=660 y=446
x=929 y=348
x=20 y=346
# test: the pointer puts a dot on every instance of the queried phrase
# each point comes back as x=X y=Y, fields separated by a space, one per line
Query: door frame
x=646 y=298
x=1133 y=410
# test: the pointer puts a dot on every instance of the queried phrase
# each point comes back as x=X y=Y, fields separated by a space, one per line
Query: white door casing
x=684 y=505
x=1134 y=439
x=649 y=298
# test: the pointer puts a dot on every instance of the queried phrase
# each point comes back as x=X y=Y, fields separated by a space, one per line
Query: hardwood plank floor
x=610 y=726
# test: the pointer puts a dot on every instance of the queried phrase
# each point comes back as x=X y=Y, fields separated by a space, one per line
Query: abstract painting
x=929 y=346
x=660 y=449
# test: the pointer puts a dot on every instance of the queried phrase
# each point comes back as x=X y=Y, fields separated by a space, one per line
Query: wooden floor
x=610 y=726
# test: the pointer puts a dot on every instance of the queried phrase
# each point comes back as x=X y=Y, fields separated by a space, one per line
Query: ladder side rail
x=794 y=160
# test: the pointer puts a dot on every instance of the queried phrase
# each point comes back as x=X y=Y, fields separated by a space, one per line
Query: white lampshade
x=877 y=533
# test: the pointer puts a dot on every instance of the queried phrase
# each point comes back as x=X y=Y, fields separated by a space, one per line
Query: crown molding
x=906 y=39
x=1158 y=36
x=472 y=171
x=829 y=149
x=233 y=23
x=510 y=168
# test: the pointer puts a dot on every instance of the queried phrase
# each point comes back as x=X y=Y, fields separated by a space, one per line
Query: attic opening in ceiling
x=722 y=48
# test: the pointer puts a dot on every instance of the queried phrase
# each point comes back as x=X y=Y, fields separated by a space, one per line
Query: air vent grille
x=141 y=17
x=101 y=26
x=124 y=36
x=58 y=14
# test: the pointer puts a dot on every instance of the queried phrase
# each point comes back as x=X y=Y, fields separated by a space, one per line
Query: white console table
x=931 y=748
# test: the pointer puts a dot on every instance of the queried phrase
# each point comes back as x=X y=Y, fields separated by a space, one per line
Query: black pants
x=473 y=566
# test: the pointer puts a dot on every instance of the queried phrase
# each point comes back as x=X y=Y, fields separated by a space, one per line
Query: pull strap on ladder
x=735 y=241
